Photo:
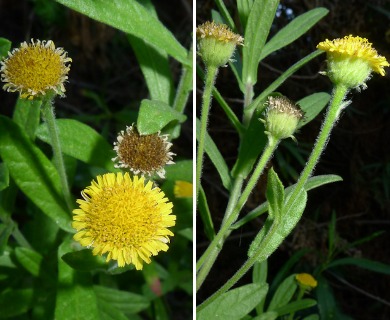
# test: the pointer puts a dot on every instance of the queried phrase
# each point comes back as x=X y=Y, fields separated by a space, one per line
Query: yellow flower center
x=35 y=68
x=219 y=32
x=125 y=218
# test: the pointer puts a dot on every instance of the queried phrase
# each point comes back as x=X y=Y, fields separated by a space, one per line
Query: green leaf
x=155 y=115
x=27 y=114
x=274 y=194
x=29 y=259
x=6 y=230
x=312 y=105
x=132 y=18
x=283 y=293
x=155 y=68
x=371 y=265
x=225 y=13
x=253 y=142
x=296 y=306
x=84 y=260
x=187 y=233
x=76 y=297
x=258 y=26
x=181 y=170
x=34 y=174
x=313 y=182
x=108 y=312
x=4 y=176
x=126 y=302
x=235 y=303
x=244 y=8
x=326 y=300
x=259 y=276
x=81 y=142
x=272 y=315
x=312 y=317
x=215 y=157
x=295 y=29
x=15 y=302
x=5 y=47
x=205 y=215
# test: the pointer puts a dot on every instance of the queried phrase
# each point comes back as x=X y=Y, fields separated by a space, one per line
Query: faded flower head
x=35 y=68
x=306 y=280
x=144 y=154
x=282 y=118
x=351 y=60
x=183 y=189
x=125 y=218
x=216 y=43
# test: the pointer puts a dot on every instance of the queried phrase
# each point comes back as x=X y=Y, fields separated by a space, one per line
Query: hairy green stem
x=331 y=118
x=211 y=74
x=267 y=154
x=49 y=116
x=184 y=87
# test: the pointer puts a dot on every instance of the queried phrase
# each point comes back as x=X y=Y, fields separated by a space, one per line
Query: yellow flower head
x=351 y=60
x=35 y=68
x=216 y=43
x=143 y=154
x=306 y=280
x=183 y=189
x=125 y=218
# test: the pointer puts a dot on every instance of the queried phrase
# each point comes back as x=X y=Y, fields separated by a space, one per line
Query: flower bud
x=282 y=118
x=216 y=43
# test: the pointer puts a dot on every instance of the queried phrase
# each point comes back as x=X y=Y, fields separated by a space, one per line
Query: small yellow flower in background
x=183 y=189
x=351 y=61
x=35 y=68
x=144 y=154
x=216 y=43
x=125 y=218
x=306 y=280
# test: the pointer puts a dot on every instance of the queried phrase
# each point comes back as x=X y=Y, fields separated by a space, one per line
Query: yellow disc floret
x=216 y=43
x=125 y=218
x=35 y=68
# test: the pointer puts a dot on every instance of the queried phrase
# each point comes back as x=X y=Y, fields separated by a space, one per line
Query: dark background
x=358 y=151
